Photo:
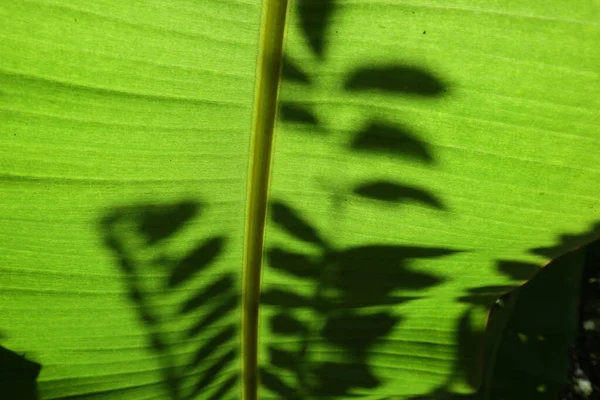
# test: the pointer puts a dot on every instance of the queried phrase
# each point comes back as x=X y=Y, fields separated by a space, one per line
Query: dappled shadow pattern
x=132 y=233
x=18 y=376
x=344 y=284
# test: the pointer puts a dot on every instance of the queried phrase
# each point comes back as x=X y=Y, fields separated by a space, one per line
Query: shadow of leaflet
x=345 y=284
x=18 y=376
x=314 y=18
x=132 y=232
x=376 y=136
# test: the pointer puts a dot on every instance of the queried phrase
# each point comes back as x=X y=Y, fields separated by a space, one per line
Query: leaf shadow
x=290 y=71
x=381 y=137
x=397 y=193
x=377 y=136
x=345 y=283
x=352 y=307
x=298 y=114
x=396 y=79
x=211 y=304
x=314 y=19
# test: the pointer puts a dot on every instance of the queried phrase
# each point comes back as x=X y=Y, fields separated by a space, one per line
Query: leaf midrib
x=270 y=55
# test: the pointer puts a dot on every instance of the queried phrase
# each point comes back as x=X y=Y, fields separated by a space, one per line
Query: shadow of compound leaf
x=345 y=284
x=134 y=235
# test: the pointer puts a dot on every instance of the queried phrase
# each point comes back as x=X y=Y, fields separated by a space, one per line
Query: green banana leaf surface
x=427 y=158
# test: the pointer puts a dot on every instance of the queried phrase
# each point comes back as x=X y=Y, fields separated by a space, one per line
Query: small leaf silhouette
x=158 y=222
x=286 y=325
x=296 y=113
x=291 y=221
x=293 y=263
x=292 y=72
x=396 y=79
x=314 y=16
x=393 y=192
x=196 y=261
x=380 y=137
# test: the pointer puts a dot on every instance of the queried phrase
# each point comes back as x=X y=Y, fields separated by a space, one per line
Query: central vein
x=272 y=33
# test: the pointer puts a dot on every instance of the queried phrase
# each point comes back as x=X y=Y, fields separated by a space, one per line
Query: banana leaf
x=304 y=199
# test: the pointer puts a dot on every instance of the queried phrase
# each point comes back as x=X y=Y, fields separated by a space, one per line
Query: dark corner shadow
x=345 y=283
x=18 y=376
x=527 y=345
x=212 y=302
x=314 y=17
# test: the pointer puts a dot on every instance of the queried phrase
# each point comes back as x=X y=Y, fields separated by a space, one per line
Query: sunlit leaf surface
x=428 y=158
